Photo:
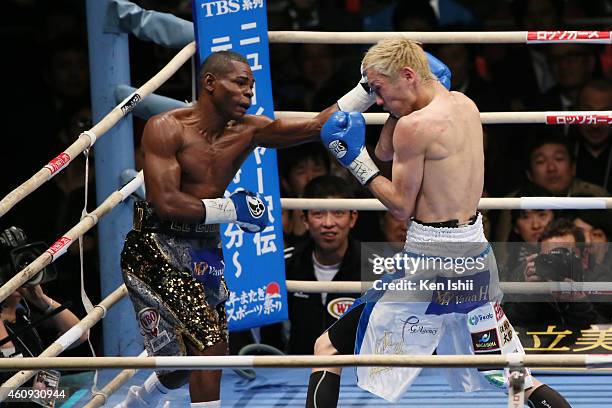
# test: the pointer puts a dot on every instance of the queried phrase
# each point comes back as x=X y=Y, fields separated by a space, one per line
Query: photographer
x=560 y=259
x=28 y=315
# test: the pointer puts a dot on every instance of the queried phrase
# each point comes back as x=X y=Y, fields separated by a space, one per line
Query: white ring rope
x=64 y=341
x=363 y=360
x=83 y=143
x=99 y=398
x=496 y=118
x=486 y=37
x=526 y=288
x=61 y=245
x=499 y=203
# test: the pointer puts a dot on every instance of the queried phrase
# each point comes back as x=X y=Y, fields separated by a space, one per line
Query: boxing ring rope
x=100 y=397
x=463 y=37
x=500 y=203
x=64 y=341
x=524 y=288
x=61 y=245
x=88 y=138
x=496 y=118
x=363 y=360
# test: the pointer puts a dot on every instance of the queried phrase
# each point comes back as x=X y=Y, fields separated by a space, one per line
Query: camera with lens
x=558 y=264
x=16 y=253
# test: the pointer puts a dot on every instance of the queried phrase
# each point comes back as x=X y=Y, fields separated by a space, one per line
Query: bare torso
x=185 y=161
x=209 y=164
x=453 y=173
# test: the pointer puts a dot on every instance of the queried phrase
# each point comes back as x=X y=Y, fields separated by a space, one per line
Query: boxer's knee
x=323 y=346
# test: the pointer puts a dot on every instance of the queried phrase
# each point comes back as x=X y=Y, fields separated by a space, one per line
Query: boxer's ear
x=407 y=73
x=208 y=82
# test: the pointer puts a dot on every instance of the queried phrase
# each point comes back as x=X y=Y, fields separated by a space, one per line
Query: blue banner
x=254 y=263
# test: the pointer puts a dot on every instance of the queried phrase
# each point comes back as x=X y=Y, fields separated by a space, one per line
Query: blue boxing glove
x=244 y=208
x=344 y=135
x=440 y=70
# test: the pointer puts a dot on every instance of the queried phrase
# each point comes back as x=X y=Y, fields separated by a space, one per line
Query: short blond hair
x=388 y=56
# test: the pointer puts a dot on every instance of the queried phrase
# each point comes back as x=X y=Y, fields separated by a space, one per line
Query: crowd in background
x=48 y=105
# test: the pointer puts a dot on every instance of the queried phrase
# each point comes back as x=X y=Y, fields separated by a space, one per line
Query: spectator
x=321 y=79
x=416 y=15
x=284 y=67
x=23 y=308
x=559 y=259
x=550 y=171
x=329 y=254
x=394 y=231
x=596 y=226
x=523 y=73
x=527 y=227
x=592 y=148
x=572 y=65
x=298 y=165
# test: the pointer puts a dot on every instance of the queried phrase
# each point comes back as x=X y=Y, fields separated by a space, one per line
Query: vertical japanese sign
x=254 y=263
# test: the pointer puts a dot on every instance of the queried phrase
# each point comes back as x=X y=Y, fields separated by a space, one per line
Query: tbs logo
x=338 y=148
x=218 y=8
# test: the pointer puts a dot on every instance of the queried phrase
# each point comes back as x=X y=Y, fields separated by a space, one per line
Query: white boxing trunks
x=456 y=311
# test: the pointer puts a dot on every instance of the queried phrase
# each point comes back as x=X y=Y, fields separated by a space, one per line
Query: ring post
x=109 y=67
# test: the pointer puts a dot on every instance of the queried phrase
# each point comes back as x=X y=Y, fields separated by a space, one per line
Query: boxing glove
x=344 y=135
x=244 y=208
x=440 y=70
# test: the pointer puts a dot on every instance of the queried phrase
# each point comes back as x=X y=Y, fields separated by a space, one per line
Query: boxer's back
x=453 y=173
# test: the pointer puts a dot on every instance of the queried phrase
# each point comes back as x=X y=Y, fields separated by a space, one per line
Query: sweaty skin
x=193 y=153
x=436 y=147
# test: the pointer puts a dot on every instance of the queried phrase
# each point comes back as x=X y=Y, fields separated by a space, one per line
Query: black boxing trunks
x=174 y=275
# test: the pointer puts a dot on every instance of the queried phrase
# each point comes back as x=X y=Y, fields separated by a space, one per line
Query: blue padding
x=287 y=388
x=161 y=28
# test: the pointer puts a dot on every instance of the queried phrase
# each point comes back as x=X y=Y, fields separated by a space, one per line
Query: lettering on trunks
x=202 y=268
x=464 y=301
x=499 y=312
x=480 y=317
x=485 y=340
x=149 y=320
x=386 y=345
x=411 y=325
x=505 y=332
x=158 y=342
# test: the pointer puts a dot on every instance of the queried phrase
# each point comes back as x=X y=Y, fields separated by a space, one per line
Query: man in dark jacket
x=329 y=254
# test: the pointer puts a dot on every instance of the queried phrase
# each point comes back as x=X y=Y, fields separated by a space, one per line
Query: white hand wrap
x=7 y=352
x=363 y=168
x=356 y=100
x=219 y=210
